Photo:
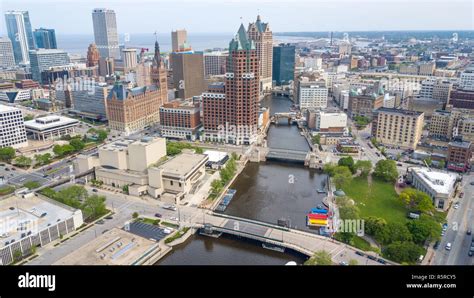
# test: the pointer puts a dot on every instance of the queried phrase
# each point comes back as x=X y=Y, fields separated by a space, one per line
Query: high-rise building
x=12 y=133
x=283 y=71
x=180 y=120
x=397 y=127
x=93 y=55
x=436 y=89
x=88 y=103
x=42 y=59
x=231 y=113
x=312 y=95
x=7 y=59
x=106 y=66
x=129 y=57
x=45 y=38
x=130 y=110
x=20 y=34
x=214 y=63
x=105 y=33
x=363 y=103
x=179 y=40
x=188 y=74
x=261 y=34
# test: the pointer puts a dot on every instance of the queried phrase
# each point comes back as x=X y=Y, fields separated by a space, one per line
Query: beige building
x=448 y=124
x=188 y=74
x=262 y=35
x=397 y=127
x=439 y=124
x=178 y=40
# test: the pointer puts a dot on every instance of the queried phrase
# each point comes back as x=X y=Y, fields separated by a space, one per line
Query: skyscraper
x=261 y=34
x=105 y=33
x=188 y=74
x=43 y=59
x=129 y=57
x=7 y=59
x=178 y=40
x=93 y=55
x=21 y=35
x=45 y=38
x=283 y=64
x=231 y=115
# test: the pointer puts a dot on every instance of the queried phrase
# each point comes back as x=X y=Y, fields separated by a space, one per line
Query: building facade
x=283 y=71
x=459 y=156
x=312 y=95
x=178 y=40
x=12 y=128
x=43 y=59
x=261 y=34
x=7 y=58
x=188 y=74
x=20 y=34
x=214 y=63
x=181 y=121
x=45 y=38
x=105 y=33
x=363 y=104
x=93 y=55
x=50 y=127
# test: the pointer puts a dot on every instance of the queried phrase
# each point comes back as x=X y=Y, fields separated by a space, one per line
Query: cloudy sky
x=222 y=16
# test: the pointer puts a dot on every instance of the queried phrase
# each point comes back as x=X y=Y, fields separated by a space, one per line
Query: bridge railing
x=261 y=223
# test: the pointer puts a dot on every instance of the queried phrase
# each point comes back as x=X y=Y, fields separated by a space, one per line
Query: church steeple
x=157 y=56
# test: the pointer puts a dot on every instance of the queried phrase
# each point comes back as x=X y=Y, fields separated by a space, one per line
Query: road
x=361 y=136
x=459 y=221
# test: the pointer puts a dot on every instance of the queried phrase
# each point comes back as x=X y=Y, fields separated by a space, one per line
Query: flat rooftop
x=19 y=215
x=48 y=122
x=441 y=182
x=4 y=108
x=182 y=164
x=115 y=247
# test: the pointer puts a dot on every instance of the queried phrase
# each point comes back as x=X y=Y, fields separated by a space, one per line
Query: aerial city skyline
x=151 y=142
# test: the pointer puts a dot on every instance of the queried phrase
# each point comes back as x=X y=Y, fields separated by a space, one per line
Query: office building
x=230 y=111
x=15 y=95
x=214 y=63
x=50 y=127
x=188 y=74
x=326 y=121
x=129 y=58
x=398 y=127
x=106 y=66
x=93 y=55
x=7 y=58
x=459 y=155
x=45 y=38
x=440 y=124
x=12 y=130
x=312 y=95
x=283 y=71
x=179 y=120
x=467 y=79
x=362 y=103
x=43 y=59
x=88 y=103
x=261 y=34
x=179 y=40
x=105 y=33
x=436 y=89
x=20 y=34
x=440 y=186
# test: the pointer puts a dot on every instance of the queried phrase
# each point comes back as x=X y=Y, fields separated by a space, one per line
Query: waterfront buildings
x=12 y=130
x=45 y=38
x=7 y=58
x=42 y=59
x=326 y=121
x=179 y=40
x=261 y=34
x=283 y=70
x=188 y=74
x=105 y=33
x=50 y=127
x=397 y=127
x=230 y=111
x=20 y=34
x=439 y=185
x=312 y=95
x=180 y=120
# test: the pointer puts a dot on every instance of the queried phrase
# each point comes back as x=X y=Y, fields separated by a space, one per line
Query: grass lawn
x=380 y=199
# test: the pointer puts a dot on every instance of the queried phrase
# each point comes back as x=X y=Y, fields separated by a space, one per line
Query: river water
x=266 y=192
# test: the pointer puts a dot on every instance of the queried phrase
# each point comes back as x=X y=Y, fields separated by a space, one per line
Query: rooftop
x=49 y=122
x=399 y=111
x=182 y=164
x=4 y=108
x=441 y=182
x=460 y=144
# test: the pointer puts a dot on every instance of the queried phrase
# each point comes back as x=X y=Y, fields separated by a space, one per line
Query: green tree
x=43 y=159
x=135 y=215
x=316 y=139
x=17 y=256
x=416 y=200
x=7 y=154
x=364 y=166
x=125 y=189
x=374 y=225
x=198 y=150
x=347 y=162
x=428 y=161
x=424 y=228
x=403 y=251
x=49 y=192
x=342 y=176
x=58 y=150
x=94 y=206
x=393 y=231
x=101 y=135
x=28 y=117
x=32 y=184
x=328 y=168
x=77 y=144
x=321 y=257
x=387 y=170
x=442 y=164
x=23 y=161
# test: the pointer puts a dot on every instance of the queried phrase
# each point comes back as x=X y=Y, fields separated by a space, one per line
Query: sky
x=224 y=16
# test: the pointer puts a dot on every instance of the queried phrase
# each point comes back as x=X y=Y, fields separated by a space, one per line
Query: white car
x=456 y=206
x=448 y=246
x=174 y=218
x=4 y=235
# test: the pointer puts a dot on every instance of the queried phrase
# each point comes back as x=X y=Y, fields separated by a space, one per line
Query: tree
x=342 y=176
x=216 y=186
x=387 y=170
x=43 y=159
x=58 y=150
x=321 y=257
x=198 y=150
x=416 y=200
x=28 y=117
x=96 y=182
x=135 y=215
x=347 y=162
x=428 y=161
x=7 y=154
x=32 y=184
x=392 y=232
x=374 y=225
x=403 y=251
x=101 y=135
x=328 y=168
x=125 y=189
x=78 y=144
x=94 y=206
x=442 y=164
x=316 y=139
x=424 y=228
x=364 y=166
x=23 y=161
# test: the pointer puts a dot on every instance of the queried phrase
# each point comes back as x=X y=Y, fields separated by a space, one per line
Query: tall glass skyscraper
x=105 y=33
x=21 y=35
x=45 y=38
x=283 y=64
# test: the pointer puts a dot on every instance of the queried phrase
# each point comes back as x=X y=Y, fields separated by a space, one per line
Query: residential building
x=312 y=95
x=20 y=34
x=180 y=120
x=230 y=113
x=188 y=74
x=105 y=33
x=42 y=59
x=459 y=155
x=179 y=40
x=397 y=127
x=7 y=59
x=50 y=127
x=362 y=103
x=261 y=34
x=12 y=128
x=214 y=63
x=283 y=64
x=439 y=185
x=45 y=38
x=436 y=89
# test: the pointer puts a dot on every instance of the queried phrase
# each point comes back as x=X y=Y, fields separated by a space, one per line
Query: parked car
x=343 y=263
x=436 y=245
x=109 y=217
x=381 y=261
x=371 y=257
x=448 y=246
x=456 y=206
x=158 y=215
x=94 y=190
x=359 y=253
x=100 y=222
